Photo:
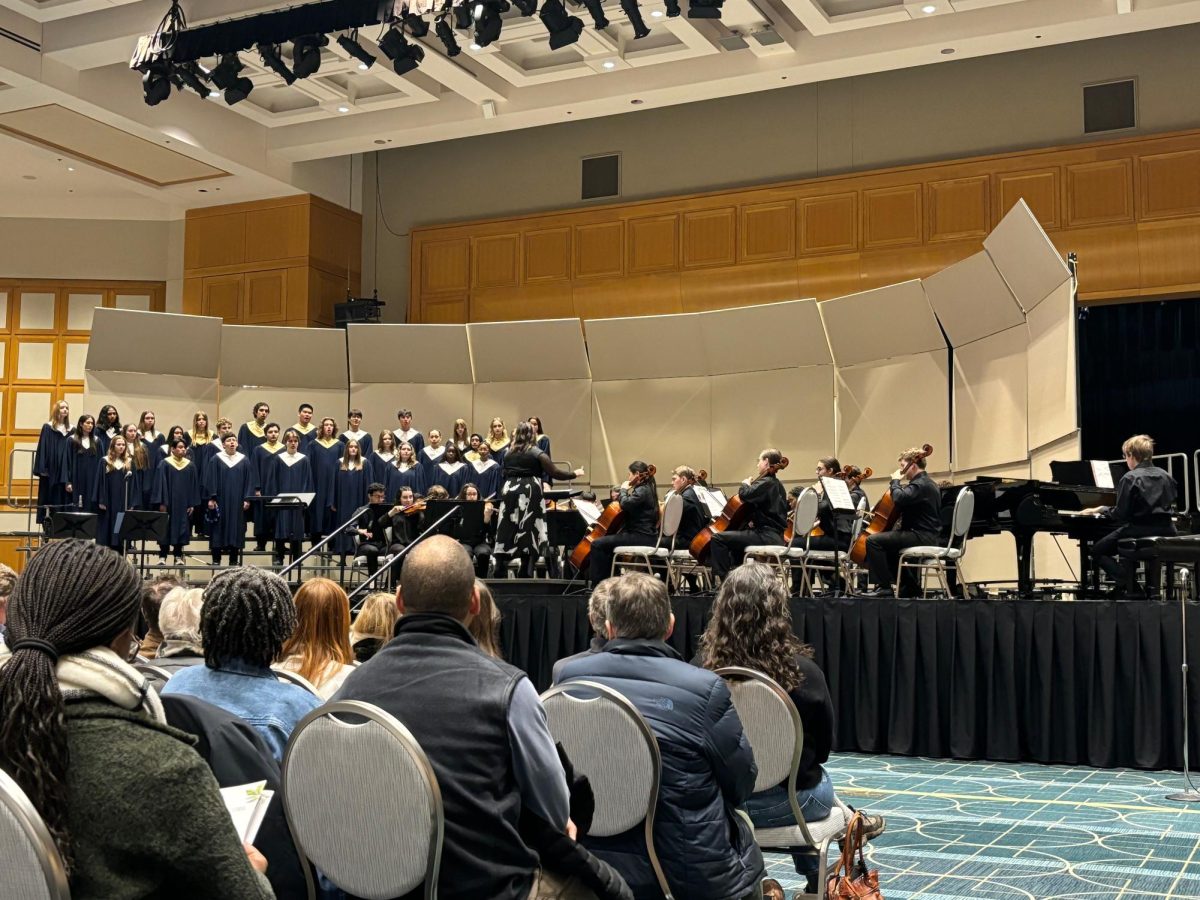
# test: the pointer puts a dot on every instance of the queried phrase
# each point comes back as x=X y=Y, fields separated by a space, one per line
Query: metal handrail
x=325 y=540
x=1166 y=461
x=385 y=563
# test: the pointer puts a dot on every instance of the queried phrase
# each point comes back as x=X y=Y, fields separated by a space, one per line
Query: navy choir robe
x=382 y=468
x=487 y=476
x=363 y=438
x=291 y=473
x=114 y=483
x=229 y=481
x=250 y=435
x=262 y=459
x=307 y=436
x=84 y=471
x=51 y=466
x=451 y=476
x=176 y=490
x=104 y=438
x=155 y=445
x=498 y=451
x=412 y=476
x=325 y=458
x=412 y=436
x=350 y=494
x=429 y=458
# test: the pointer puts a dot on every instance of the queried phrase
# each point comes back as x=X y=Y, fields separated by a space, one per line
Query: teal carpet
x=1003 y=831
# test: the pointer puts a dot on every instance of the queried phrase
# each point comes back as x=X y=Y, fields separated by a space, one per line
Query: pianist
x=1145 y=498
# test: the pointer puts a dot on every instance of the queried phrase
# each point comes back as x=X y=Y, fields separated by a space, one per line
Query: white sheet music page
x=838 y=493
x=713 y=499
x=590 y=511
x=1102 y=474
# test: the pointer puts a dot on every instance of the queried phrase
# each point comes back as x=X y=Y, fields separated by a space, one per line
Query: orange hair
x=322 y=634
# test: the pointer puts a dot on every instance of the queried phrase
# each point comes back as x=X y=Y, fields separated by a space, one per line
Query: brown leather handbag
x=850 y=878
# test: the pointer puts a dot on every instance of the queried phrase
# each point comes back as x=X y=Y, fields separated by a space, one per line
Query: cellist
x=835 y=524
x=917 y=498
x=767 y=499
x=638 y=498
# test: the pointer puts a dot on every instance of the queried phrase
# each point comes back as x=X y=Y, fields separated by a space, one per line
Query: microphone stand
x=1191 y=795
x=325 y=540
x=386 y=564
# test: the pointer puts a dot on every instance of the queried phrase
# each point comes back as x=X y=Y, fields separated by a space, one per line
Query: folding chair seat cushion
x=768 y=550
x=789 y=836
x=933 y=552
x=640 y=551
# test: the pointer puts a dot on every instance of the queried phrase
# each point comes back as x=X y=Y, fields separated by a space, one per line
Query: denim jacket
x=251 y=692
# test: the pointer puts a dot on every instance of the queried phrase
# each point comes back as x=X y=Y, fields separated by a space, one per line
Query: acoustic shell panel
x=972 y=300
x=646 y=347
x=1055 y=556
x=759 y=338
x=278 y=357
x=991 y=417
x=746 y=420
x=432 y=405
x=564 y=408
x=156 y=343
x=1053 y=389
x=541 y=350
x=395 y=354
x=992 y=557
x=1024 y=255
x=174 y=399
x=884 y=323
x=237 y=404
x=664 y=421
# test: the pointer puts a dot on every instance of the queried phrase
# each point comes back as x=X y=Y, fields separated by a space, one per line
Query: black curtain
x=1139 y=371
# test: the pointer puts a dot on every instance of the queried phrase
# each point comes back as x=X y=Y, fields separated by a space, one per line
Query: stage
x=1084 y=682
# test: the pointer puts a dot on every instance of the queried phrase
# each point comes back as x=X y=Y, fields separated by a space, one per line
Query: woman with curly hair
x=752 y=627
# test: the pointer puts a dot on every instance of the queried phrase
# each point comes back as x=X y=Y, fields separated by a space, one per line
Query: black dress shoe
x=878 y=592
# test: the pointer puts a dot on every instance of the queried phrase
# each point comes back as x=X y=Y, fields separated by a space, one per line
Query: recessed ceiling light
x=29 y=177
x=202 y=190
x=382 y=141
x=343 y=109
x=656 y=14
x=636 y=102
x=363 y=66
x=928 y=9
x=70 y=168
x=949 y=51
x=609 y=64
x=475 y=46
x=211 y=94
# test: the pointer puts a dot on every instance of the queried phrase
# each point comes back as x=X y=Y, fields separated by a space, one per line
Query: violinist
x=406 y=519
x=767 y=500
x=917 y=498
x=372 y=528
x=638 y=498
x=479 y=546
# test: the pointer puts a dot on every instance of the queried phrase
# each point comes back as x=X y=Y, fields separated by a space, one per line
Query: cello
x=732 y=517
x=853 y=476
x=611 y=521
x=883 y=517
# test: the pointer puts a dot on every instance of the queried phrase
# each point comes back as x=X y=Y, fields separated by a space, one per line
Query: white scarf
x=101 y=673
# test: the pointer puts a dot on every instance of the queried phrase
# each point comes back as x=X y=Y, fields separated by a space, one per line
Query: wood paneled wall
x=285 y=261
x=1129 y=208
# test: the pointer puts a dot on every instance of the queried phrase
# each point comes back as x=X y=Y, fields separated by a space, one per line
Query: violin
x=732 y=518
x=883 y=517
x=853 y=476
x=611 y=521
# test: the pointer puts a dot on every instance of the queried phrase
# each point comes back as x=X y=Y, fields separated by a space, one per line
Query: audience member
x=8 y=578
x=155 y=593
x=485 y=626
x=247 y=616
x=319 y=649
x=86 y=739
x=483 y=728
x=706 y=849
x=179 y=621
x=374 y=624
x=751 y=627
x=597 y=608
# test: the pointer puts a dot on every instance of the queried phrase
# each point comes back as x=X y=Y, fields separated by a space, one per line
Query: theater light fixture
x=673 y=9
x=193 y=76
x=156 y=83
x=273 y=60
x=563 y=29
x=306 y=54
x=417 y=26
x=462 y=17
x=527 y=7
x=349 y=43
x=446 y=35
x=634 y=12
x=404 y=56
x=596 y=10
x=488 y=23
x=225 y=76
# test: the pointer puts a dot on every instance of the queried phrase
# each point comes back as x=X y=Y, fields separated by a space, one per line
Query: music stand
x=565 y=528
x=143 y=525
x=838 y=493
x=77 y=525
x=467 y=524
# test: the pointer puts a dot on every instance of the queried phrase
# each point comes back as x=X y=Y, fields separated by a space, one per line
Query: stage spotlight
x=349 y=43
x=225 y=77
x=190 y=74
x=704 y=9
x=672 y=8
x=417 y=26
x=156 y=82
x=527 y=7
x=488 y=23
x=274 y=61
x=631 y=9
x=462 y=17
x=306 y=54
x=596 y=10
x=404 y=56
x=446 y=35
x=563 y=29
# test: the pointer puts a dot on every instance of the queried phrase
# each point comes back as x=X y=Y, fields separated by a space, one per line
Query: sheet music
x=713 y=499
x=306 y=497
x=589 y=510
x=1102 y=474
x=838 y=493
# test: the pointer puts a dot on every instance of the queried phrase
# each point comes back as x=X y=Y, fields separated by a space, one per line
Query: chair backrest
x=156 y=676
x=804 y=515
x=672 y=515
x=374 y=837
x=860 y=521
x=607 y=740
x=33 y=870
x=295 y=678
x=964 y=512
x=774 y=729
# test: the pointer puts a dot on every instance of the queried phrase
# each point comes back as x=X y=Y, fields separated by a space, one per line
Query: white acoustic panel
x=1053 y=389
x=991 y=418
x=992 y=557
x=35 y=360
x=769 y=336
x=664 y=421
x=385 y=354
x=22 y=465
x=564 y=408
x=133 y=301
x=237 y=404
x=173 y=398
x=888 y=406
x=75 y=364
x=157 y=343
x=1055 y=556
x=35 y=311
x=80 y=308
x=1028 y=261
x=646 y=347
x=31 y=408
x=539 y=350
x=880 y=324
x=278 y=357
x=971 y=300
x=746 y=420
x=432 y=405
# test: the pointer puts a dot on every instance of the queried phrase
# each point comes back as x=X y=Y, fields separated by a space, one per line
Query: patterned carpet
x=1020 y=832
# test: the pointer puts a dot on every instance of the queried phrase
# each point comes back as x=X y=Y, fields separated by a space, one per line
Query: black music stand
x=565 y=528
x=466 y=525
x=281 y=503
x=67 y=525
x=143 y=525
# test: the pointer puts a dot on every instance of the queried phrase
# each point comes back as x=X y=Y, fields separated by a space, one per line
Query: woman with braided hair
x=82 y=733
x=247 y=617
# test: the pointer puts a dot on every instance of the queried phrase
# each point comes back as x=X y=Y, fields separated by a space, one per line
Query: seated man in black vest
x=480 y=722
x=706 y=849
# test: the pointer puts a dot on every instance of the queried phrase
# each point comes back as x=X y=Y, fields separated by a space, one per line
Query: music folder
x=838 y=493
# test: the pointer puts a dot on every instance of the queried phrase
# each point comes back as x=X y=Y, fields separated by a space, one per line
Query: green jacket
x=145 y=814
